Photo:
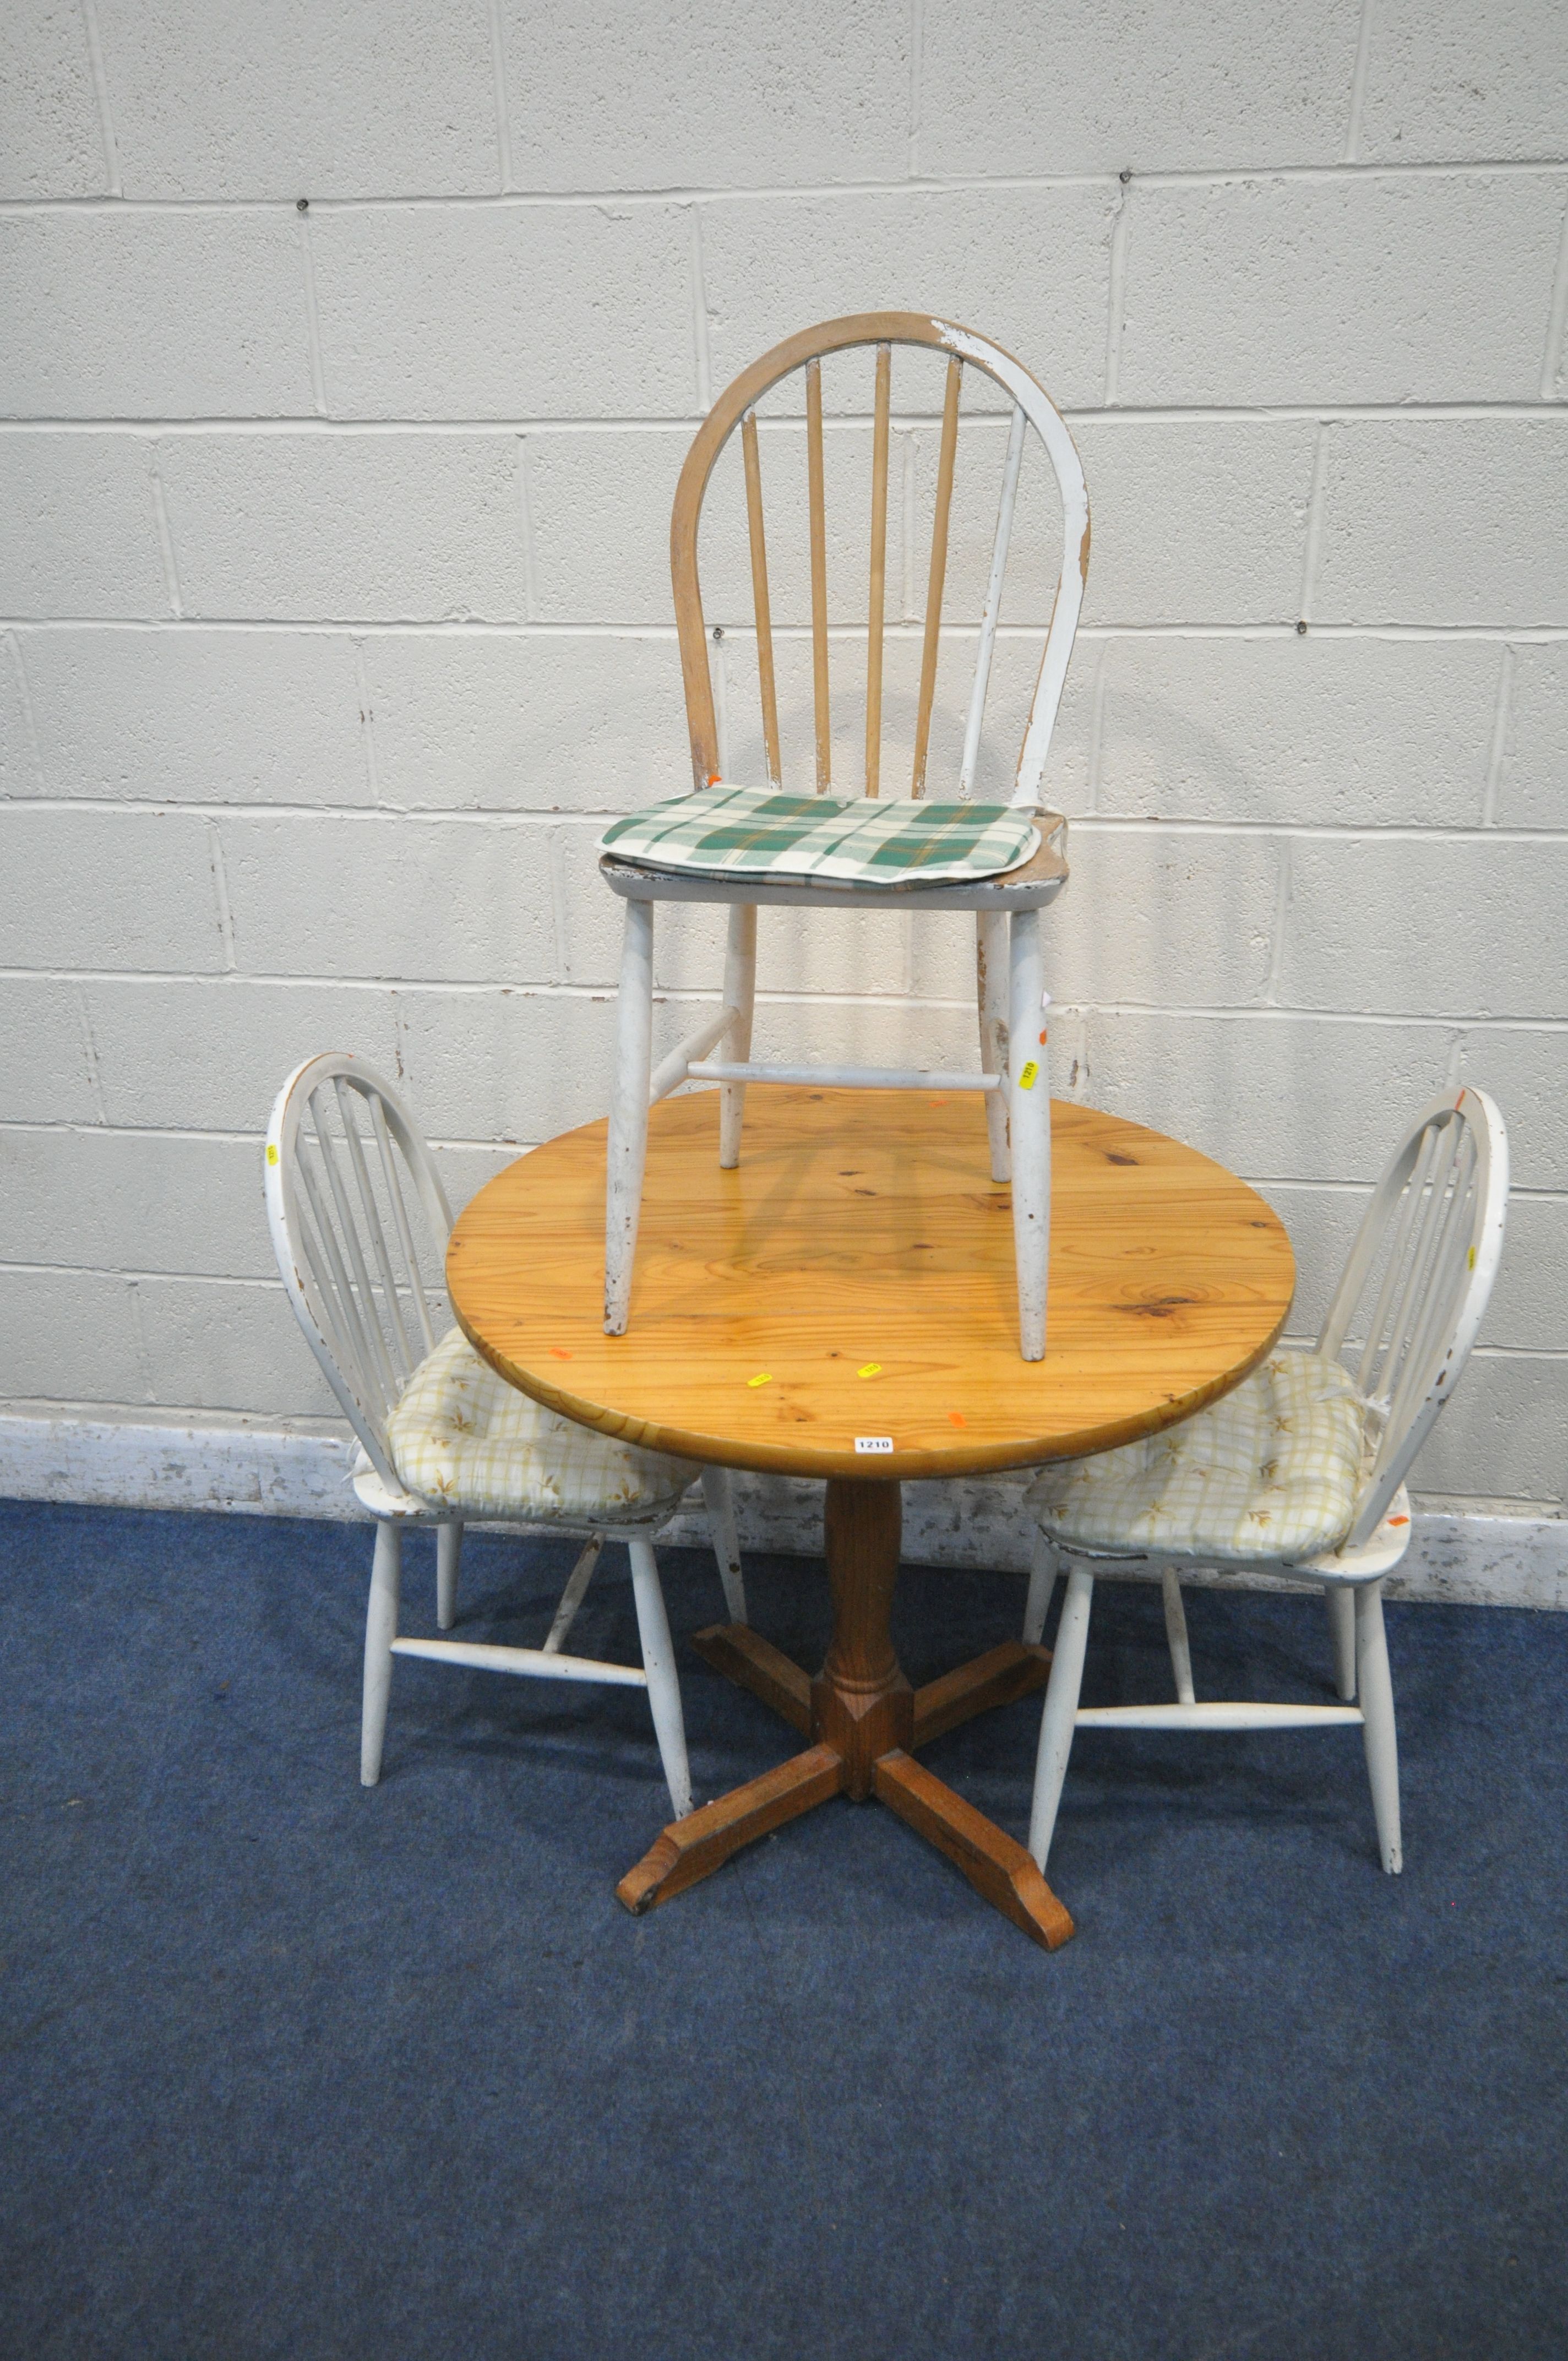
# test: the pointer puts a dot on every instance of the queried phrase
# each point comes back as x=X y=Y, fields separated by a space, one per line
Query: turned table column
x=861 y=1704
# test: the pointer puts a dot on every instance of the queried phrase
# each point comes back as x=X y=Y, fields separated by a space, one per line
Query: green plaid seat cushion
x=752 y=832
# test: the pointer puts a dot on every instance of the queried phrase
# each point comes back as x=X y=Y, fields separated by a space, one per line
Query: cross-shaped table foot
x=865 y=1721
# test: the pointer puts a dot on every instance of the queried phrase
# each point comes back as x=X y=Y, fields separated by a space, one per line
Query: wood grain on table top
x=862 y=1233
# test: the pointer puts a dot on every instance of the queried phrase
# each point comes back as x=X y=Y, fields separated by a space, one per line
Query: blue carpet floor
x=295 y=2070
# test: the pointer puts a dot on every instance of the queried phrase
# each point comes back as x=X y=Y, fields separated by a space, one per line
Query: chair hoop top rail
x=805 y=350
x=1432 y=1235
x=350 y=1304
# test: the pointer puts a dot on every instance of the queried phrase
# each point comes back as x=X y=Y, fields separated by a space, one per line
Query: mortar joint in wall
x=367 y=723
x=29 y=719
x=917 y=60
x=1358 y=85
x=1498 y=758
x=1116 y=289
x=101 y=97
x=312 y=320
x=1557 y=321
x=702 y=353
x=165 y=536
x=502 y=97
x=1281 y=920
x=221 y=893
x=89 y=1052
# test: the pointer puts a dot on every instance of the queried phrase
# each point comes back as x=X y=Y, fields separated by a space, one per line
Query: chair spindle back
x=737 y=407
x=1420 y=1274
x=352 y=1194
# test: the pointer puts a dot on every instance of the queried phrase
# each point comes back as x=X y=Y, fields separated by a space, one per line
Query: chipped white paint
x=1413 y=1292
x=1436 y=1219
x=1052 y=427
x=990 y=612
x=344 y=1167
x=1018 y=1118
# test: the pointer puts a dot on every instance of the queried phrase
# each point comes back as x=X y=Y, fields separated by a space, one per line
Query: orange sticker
x=935 y=1102
x=958 y=1418
x=559 y=1353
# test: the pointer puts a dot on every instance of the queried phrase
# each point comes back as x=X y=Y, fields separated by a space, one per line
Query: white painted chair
x=1300 y=1471
x=747 y=847
x=354 y=1202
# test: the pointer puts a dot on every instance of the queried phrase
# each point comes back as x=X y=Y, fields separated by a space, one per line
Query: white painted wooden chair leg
x=991 y=983
x=1341 y=1604
x=1176 y=1636
x=628 y=1113
x=572 y=1598
x=448 y=1555
x=1376 y=1690
x=740 y=994
x=380 y=1630
x=1043 y=1571
x=1062 y=1707
x=659 y=1663
x=719 y=1492
x=1029 y=1125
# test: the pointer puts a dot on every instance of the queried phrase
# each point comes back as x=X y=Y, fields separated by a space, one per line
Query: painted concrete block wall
x=350 y=357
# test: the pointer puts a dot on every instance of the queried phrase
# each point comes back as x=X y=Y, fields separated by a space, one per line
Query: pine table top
x=854 y=1280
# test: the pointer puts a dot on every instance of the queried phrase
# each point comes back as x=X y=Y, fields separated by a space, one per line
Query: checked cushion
x=752 y=832
x=1271 y=1471
x=462 y=1438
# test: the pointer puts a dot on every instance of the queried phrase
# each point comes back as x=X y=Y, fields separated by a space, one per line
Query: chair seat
x=464 y=1440
x=728 y=831
x=1271 y=1472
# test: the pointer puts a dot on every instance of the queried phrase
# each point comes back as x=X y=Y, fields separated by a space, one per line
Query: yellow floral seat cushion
x=463 y=1439
x=1272 y=1471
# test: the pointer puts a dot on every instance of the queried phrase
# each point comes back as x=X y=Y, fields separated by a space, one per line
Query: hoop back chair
x=753 y=847
x=1301 y=1470
x=357 y=1214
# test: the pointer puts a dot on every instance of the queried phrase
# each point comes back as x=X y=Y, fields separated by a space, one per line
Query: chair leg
x=380 y=1630
x=448 y=1552
x=659 y=1663
x=1029 y=1126
x=740 y=994
x=719 y=1492
x=1062 y=1707
x=572 y=1598
x=1176 y=1636
x=628 y=1113
x=1377 y=1691
x=1341 y=1604
x=1043 y=1570
x=991 y=979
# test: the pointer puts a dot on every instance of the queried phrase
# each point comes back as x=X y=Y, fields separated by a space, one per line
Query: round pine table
x=843 y=1305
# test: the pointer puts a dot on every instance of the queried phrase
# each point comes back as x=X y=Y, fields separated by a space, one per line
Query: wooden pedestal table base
x=855 y=1268
x=864 y=1721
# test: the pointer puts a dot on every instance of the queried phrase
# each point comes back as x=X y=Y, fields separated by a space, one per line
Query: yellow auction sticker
x=872 y=1370
x=1029 y=1076
x=762 y=1377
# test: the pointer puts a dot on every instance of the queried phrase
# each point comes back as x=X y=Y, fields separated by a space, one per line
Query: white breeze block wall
x=351 y=354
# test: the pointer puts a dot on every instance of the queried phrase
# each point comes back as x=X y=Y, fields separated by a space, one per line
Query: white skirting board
x=302 y=1471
